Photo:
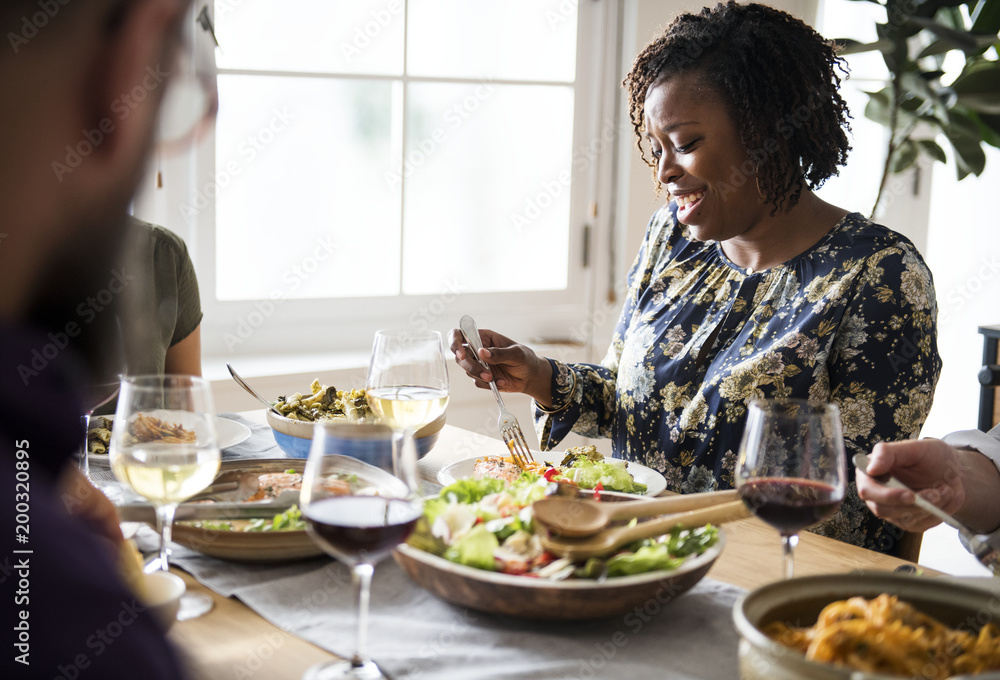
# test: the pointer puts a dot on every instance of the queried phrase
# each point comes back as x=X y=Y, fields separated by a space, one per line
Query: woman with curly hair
x=747 y=285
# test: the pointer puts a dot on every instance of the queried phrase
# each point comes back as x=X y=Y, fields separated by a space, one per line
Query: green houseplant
x=916 y=104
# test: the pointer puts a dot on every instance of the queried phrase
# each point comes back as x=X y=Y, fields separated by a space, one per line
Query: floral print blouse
x=851 y=320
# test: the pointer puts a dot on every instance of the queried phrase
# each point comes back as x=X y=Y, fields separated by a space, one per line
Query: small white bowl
x=163 y=596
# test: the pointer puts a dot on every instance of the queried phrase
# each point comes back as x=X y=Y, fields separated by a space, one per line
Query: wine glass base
x=194 y=605
x=346 y=670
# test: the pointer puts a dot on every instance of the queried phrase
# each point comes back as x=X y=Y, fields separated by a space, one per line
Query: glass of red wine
x=792 y=470
x=359 y=499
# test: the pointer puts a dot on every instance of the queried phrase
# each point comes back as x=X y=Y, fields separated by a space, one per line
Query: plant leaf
x=966 y=141
x=936 y=47
x=986 y=17
x=962 y=40
x=906 y=154
x=846 y=46
x=932 y=149
x=877 y=108
x=979 y=88
x=989 y=127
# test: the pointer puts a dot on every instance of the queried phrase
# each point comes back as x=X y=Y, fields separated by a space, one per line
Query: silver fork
x=509 y=428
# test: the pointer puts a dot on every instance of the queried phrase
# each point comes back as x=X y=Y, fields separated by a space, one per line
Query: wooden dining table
x=233 y=641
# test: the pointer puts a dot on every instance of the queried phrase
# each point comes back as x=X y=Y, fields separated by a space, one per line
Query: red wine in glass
x=790 y=505
x=361 y=528
x=792 y=468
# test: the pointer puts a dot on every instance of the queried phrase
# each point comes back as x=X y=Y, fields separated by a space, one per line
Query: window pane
x=487 y=187
x=856 y=20
x=501 y=39
x=304 y=207
x=856 y=187
x=314 y=36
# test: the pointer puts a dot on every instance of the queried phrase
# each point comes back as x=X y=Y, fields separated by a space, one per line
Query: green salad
x=588 y=469
x=290 y=520
x=487 y=524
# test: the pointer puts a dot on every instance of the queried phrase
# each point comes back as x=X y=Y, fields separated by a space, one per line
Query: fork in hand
x=510 y=430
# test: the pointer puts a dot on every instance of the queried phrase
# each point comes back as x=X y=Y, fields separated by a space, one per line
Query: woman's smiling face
x=700 y=159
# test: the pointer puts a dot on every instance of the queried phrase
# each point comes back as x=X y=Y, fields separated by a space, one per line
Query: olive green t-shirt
x=162 y=302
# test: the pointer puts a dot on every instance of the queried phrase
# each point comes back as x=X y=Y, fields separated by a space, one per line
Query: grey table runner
x=415 y=635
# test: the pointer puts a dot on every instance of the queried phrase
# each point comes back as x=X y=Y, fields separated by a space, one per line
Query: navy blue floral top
x=851 y=320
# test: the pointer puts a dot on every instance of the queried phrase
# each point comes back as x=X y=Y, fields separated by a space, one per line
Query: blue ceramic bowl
x=295 y=436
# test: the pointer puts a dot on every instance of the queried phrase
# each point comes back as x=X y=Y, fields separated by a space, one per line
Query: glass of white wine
x=164 y=448
x=407 y=383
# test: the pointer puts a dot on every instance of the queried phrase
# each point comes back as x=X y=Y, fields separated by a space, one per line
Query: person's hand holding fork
x=515 y=367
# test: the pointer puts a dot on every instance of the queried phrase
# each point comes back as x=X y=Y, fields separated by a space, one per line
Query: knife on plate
x=144 y=512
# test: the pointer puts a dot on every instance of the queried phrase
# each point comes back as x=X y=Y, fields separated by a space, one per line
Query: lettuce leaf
x=647 y=558
x=290 y=520
x=471 y=490
x=475 y=549
x=610 y=473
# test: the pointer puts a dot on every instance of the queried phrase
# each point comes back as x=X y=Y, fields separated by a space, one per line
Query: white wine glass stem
x=165 y=523
x=362 y=574
x=788 y=544
x=85 y=458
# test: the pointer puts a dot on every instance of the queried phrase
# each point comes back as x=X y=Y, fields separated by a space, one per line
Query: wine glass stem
x=788 y=544
x=165 y=524
x=363 y=582
x=85 y=458
x=402 y=447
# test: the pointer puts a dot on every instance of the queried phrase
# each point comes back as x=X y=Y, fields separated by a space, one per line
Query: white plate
x=654 y=481
x=228 y=432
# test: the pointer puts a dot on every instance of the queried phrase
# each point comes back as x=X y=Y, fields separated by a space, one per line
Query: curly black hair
x=780 y=80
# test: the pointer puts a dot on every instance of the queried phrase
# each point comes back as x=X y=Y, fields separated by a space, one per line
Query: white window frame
x=346 y=325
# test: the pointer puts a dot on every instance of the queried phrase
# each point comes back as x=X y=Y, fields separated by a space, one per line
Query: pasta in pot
x=885 y=635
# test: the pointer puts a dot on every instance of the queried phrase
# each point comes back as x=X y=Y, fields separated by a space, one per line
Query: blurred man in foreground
x=82 y=82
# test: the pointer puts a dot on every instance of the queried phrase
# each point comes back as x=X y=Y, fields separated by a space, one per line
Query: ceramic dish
x=249 y=546
x=228 y=432
x=295 y=436
x=654 y=481
x=537 y=598
x=799 y=601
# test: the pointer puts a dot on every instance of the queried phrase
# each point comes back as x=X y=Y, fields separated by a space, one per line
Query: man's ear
x=125 y=85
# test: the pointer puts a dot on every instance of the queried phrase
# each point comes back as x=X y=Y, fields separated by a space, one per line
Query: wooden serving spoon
x=578 y=518
x=607 y=541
